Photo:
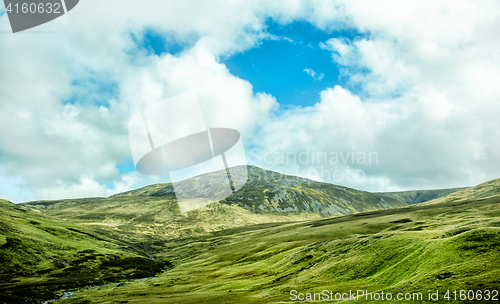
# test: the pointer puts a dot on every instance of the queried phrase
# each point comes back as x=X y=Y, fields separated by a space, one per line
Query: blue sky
x=275 y=66
x=126 y=166
x=93 y=88
x=157 y=43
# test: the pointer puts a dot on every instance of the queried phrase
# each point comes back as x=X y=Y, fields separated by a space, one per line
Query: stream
x=69 y=294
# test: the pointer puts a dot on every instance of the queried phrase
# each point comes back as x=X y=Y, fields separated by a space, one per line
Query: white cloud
x=425 y=77
x=71 y=149
x=314 y=75
x=342 y=51
x=427 y=103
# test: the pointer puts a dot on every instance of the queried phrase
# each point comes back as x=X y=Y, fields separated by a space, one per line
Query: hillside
x=442 y=246
x=449 y=243
x=40 y=256
x=268 y=192
x=490 y=189
x=420 y=196
x=267 y=197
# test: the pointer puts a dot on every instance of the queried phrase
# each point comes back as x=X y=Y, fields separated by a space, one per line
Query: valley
x=274 y=235
x=449 y=246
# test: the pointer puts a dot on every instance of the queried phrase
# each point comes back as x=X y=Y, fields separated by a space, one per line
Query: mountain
x=266 y=197
x=40 y=256
x=450 y=244
x=421 y=196
x=268 y=192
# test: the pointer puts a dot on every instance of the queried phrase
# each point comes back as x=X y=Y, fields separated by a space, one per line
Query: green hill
x=268 y=192
x=485 y=190
x=452 y=245
x=267 y=197
x=274 y=235
x=40 y=256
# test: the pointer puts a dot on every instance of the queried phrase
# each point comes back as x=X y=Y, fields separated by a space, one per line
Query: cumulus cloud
x=423 y=98
x=420 y=90
x=60 y=138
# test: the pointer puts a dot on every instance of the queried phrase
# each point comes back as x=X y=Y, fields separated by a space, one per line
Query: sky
x=378 y=96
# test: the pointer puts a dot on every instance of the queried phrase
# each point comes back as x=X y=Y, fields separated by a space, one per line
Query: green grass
x=229 y=253
x=482 y=191
x=155 y=216
x=414 y=249
x=41 y=257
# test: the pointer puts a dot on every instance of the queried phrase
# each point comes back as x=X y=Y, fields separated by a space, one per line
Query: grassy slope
x=42 y=256
x=421 y=196
x=156 y=216
x=450 y=245
x=489 y=189
x=268 y=191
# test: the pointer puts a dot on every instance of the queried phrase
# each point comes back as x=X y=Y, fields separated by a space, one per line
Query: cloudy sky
x=414 y=83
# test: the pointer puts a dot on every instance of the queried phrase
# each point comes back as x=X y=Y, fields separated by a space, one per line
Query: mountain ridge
x=267 y=197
